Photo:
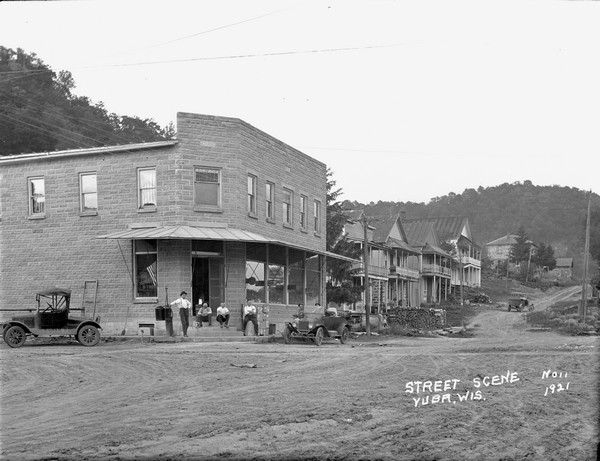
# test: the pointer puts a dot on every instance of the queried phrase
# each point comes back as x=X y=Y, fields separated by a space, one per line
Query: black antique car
x=318 y=328
x=50 y=319
x=519 y=302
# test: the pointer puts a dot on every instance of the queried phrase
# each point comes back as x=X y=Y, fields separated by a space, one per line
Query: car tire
x=344 y=336
x=88 y=336
x=319 y=336
x=287 y=335
x=15 y=336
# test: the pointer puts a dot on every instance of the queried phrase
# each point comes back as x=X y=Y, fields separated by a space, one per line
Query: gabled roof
x=509 y=239
x=564 y=262
x=432 y=249
x=420 y=232
x=451 y=227
x=387 y=227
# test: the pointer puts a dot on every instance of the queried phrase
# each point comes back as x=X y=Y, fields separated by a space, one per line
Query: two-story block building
x=226 y=212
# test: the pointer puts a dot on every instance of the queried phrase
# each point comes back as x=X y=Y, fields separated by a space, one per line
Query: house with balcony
x=403 y=272
x=435 y=264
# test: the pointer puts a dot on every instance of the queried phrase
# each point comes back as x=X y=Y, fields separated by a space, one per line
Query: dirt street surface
x=505 y=393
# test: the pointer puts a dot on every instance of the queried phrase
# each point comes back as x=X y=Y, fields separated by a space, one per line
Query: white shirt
x=249 y=309
x=222 y=310
x=182 y=303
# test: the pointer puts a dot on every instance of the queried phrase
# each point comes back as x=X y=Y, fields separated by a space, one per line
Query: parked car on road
x=329 y=325
x=50 y=319
x=519 y=302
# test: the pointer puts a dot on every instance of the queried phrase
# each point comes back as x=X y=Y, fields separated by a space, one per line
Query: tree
x=340 y=288
x=40 y=113
x=519 y=251
x=544 y=256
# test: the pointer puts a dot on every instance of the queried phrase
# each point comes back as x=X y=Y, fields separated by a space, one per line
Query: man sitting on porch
x=223 y=315
x=205 y=315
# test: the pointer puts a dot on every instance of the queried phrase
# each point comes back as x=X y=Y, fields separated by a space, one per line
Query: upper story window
x=146 y=188
x=317 y=216
x=303 y=212
x=88 y=193
x=270 y=201
x=251 y=194
x=207 y=187
x=288 y=197
x=37 y=196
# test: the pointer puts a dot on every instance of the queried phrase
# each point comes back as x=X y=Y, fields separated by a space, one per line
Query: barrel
x=160 y=313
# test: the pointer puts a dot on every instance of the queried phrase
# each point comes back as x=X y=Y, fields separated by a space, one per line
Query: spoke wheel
x=287 y=335
x=344 y=336
x=88 y=336
x=319 y=336
x=15 y=336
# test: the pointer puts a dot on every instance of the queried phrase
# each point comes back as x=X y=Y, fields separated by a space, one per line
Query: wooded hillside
x=552 y=215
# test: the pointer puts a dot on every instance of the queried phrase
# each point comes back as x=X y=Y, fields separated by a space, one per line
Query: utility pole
x=583 y=309
x=365 y=224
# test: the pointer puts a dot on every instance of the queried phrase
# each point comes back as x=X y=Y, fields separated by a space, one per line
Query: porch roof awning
x=206 y=233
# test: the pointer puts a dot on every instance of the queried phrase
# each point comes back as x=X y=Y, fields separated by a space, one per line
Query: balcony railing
x=404 y=272
x=436 y=269
x=358 y=269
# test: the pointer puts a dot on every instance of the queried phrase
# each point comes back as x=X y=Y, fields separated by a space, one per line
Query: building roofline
x=86 y=151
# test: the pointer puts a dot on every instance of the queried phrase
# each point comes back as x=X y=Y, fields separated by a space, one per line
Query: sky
x=403 y=100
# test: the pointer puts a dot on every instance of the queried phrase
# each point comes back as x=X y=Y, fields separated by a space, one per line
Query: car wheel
x=88 y=336
x=344 y=336
x=287 y=335
x=15 y=336
x=319 y=336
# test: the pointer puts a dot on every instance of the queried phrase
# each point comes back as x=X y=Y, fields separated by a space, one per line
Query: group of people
x=204 y=313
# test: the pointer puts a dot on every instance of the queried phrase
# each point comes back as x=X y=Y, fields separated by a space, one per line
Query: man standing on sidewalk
x=184 y=311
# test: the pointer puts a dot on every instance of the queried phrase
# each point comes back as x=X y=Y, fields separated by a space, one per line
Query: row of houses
x=226 y=212
x=406 y=266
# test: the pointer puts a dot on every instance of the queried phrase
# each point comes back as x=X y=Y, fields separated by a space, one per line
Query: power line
x=241 y=56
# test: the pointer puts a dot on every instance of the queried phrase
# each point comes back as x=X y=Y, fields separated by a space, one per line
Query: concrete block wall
x=62 y=248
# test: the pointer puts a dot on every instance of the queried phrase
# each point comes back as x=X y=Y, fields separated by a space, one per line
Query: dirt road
x=489 y=397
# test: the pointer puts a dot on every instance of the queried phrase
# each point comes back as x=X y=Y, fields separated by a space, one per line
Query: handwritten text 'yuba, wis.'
x=437 y=391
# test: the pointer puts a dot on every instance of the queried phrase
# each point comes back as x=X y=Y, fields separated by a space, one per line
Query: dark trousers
x=204 y=318
x=184 y=314
x=250 y=318
x=223 y=319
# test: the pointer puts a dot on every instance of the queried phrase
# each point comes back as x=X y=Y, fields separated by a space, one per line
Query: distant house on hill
x=563 y=269
x=498 y=250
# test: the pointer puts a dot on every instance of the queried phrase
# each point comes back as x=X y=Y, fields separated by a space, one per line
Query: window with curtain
x=296 y=276
x=313 y=279
x=276 y=274
x=146 y=188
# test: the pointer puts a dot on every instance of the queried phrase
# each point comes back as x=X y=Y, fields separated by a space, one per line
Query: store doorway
x=208 y=282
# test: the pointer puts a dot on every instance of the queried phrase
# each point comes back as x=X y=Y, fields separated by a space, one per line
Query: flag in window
x=152 y=272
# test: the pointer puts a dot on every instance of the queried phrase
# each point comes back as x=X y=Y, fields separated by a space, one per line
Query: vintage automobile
x=50 y=319
x=519 y=302
x=318 y=328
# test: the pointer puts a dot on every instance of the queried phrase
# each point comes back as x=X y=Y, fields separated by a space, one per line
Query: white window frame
x=150 y=206
x=303 y=212
x=218 y=183
x=317 y=216
x=83 y=194
x=35 y=200
x=270 y=201
x=288 y=207
x=252 y=180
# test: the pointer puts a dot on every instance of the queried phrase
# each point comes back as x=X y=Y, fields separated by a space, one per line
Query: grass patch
x=563 y=317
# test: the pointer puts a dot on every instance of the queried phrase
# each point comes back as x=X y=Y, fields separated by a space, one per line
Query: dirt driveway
x=505 y=393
